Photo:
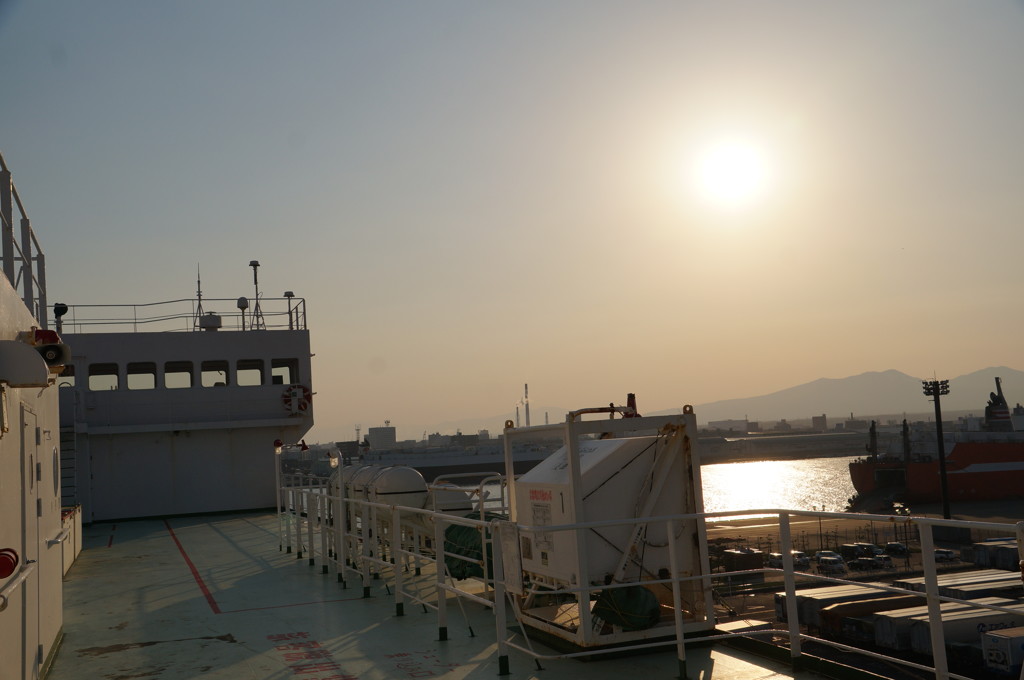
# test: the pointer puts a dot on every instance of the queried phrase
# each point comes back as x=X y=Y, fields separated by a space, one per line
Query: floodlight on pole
x=936 y=389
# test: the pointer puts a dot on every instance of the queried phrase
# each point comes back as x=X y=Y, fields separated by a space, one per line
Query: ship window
x=249 y=372
x=284 y=371
x=177 y=375
x=102 y=377
x=214 y=373
x=67 y=376
x=141 y=376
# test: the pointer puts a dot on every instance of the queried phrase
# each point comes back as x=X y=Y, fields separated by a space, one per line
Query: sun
x=732 y=174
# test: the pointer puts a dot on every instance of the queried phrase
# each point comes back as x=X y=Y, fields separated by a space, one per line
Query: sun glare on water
x=732 y=174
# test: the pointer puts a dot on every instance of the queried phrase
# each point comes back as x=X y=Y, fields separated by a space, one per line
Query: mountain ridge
x=868 y=394
x=865 y=394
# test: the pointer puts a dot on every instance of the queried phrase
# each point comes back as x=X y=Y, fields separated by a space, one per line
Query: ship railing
x=487 y=492
x=186 y=314
x=356 y=539
x=377 y=542
x=24 y=263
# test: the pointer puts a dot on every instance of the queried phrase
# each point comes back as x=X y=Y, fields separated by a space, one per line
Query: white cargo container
x=616 y=478
x=953 y=580
x=628 y=479
x=892 y=628
x=810 y=603
x=966 y=625
x=1004 y=650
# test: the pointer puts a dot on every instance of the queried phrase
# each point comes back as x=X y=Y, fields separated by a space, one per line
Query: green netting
x=465 y=541
x=631 y=608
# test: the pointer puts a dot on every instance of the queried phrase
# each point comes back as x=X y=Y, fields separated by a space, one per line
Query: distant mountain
x=867 y=394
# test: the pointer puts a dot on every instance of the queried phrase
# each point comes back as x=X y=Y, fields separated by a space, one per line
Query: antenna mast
x=199 y=299
x=256 y=321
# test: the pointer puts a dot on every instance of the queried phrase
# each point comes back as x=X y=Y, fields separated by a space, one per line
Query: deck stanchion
x=786 y=547
x=297 y=499
x=677 y=598
x=364 y=534
x=498 y=565
x=278 y=448
x=286 y=492
x=442 y=594
x=321 y=507
x=340 y=517
x=931 y=589
x=396 y=559
x=308 y=504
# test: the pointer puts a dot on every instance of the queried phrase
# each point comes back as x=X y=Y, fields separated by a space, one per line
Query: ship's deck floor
x=213 y=597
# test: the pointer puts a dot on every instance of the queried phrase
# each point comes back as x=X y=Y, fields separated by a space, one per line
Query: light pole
x=935 y=389
x=278 y=447
x=820 y=544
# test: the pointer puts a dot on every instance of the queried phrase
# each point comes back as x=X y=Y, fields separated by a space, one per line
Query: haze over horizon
x=690 y=201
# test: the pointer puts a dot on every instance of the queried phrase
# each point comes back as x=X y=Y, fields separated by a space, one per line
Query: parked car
x=831 y=565
x=800 y=560
x=869 y=549
x=864 y=564
x=886 y=561
x=896 y=548
x=850 y=551
x=821 y=554
x=944 y=555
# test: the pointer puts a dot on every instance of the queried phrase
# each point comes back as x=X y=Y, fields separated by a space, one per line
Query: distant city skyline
x=691 y=201
x=890 y=394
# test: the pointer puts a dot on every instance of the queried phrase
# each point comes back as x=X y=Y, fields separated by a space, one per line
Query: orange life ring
x=304 y=399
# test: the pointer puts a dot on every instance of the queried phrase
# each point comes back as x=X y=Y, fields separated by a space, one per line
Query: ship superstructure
x=32 y=531
x=169 y=410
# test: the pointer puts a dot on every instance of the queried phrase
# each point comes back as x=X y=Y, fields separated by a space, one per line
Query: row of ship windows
x=147 y=375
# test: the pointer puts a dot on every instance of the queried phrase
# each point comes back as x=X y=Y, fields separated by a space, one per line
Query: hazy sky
x=692 y=201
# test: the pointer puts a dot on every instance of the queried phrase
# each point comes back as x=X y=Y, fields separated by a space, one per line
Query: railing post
x=309 y=503
x=295 y=493
x=677 y=599
x=442 y=594
x=789 y=578
x=277 y=500
x=931 y=589
x=340 y=517
x=397 y=556
x=498 y=565
x=7 y=217
x=325 y=535
x=366 y=534
x=286 y=513
x=28 y=287
x=41 y=276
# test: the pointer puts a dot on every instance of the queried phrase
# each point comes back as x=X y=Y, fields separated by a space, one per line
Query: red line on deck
x=195 y=572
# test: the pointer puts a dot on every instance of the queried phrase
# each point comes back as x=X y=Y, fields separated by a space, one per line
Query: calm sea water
x=810 y=484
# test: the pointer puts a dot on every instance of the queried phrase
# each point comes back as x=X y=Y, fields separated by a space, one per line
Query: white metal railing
x=355 y=538
x=286 y=313
x=30 y=277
